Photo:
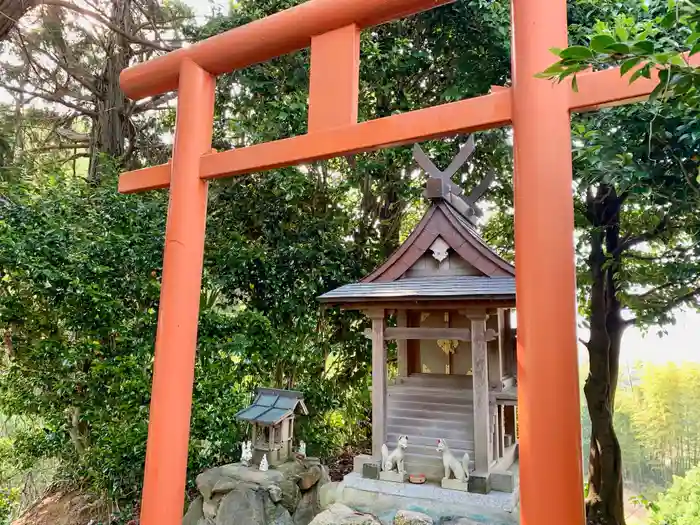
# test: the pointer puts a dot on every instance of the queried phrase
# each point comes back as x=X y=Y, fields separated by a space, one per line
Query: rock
x=276 y=514
x=251 y=475
x=224 y=485
x=211 y=506
x=206 y=481
x=242 y=507
x=325 y=475
x=289 y=485
x=194 y=512
x=338 y=514
x=328 y=493
x=309 y=506
x=408 y=517
x=309 y=478
x=461 y=521
x=275 y=493
x=292 y=468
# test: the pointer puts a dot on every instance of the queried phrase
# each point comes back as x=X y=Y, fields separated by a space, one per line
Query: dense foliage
x=681 y=504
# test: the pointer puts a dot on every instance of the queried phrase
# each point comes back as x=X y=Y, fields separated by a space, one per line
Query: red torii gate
x=551 y=477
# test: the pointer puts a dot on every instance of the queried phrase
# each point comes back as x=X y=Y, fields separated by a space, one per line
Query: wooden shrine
x=447 y=300
x=272 y=418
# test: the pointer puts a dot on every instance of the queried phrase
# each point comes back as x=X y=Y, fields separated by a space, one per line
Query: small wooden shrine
x=272 y=418
x=446 y=299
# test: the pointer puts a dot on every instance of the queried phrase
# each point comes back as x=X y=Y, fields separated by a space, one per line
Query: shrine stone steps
x=429 y=410
x=421 y=443
x=452 y=382
x=426 y=408
x=439 y=396
x=431 y=426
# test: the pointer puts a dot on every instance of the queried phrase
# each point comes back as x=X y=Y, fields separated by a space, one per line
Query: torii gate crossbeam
x=550 y=434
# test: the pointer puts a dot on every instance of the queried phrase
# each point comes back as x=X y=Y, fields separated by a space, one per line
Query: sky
x=682 y=343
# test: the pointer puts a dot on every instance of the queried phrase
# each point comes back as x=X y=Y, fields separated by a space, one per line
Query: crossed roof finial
x=440 y=183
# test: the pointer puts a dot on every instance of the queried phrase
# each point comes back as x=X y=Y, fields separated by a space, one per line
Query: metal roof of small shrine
x=272 y=405
x=457 y=287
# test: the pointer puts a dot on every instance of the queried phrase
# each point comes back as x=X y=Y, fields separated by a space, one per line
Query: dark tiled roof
x=272 y=405
x=460 y=287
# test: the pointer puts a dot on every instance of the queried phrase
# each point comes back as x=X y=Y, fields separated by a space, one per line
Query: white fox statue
x=460 y=470
x=397 y=456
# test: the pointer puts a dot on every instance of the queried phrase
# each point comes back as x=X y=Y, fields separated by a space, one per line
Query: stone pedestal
x=502 y=481
x=393 y=476
x=370 y=470
x=455 y=484
x=480 y=482
x=359 y=461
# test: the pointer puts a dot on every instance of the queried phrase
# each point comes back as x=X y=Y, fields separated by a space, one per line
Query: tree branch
x=681 y=299
x=99 y=18
x=154 y=103
x=11 y=12
x=50 y=98
x=633 y=240
x=688 y=177
x=60 y=147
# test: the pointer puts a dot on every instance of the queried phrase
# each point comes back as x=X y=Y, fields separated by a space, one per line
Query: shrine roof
x=421 y=288
x=272 y=405
x=444 y=221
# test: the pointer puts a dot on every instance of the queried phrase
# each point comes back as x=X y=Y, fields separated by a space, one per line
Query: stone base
x=455 y=484
x=359 y=461
x=370 y=470
x=480 y=482
x=383 y=499
x=396 y=477
x=503 y=481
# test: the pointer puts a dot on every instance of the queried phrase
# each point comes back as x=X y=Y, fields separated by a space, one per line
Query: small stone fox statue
x=460 y=470
x=396 y=456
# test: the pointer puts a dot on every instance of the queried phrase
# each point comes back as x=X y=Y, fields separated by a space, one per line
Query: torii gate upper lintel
x=538 y=110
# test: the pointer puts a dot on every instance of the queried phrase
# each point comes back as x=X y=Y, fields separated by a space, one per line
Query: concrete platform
x=383 y=498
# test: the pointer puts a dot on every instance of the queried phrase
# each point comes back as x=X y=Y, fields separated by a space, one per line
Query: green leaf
x=557 y=67
x=643 y=47
x=668 y=21
x=629 y=64
x=577 y=53
x=600 y=42
x=619 y=49
x=637 y=74
x=694 y=37
x=657 y=91
x=622 y=33
x=695 y=49
x=574 y=84
x=662 y=58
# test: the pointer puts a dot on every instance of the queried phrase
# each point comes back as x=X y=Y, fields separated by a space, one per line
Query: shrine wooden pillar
x=402 y=344
x=550 y=428
x=379 y=380
x=178 y=314
x=483 y=453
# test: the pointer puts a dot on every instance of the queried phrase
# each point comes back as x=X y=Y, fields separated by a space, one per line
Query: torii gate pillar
x=178 y=314
x=545 y=273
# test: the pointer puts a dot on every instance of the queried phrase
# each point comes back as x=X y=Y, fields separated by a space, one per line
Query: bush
x=680 y=505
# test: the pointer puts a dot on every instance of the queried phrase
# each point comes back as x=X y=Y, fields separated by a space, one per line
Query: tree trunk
x=605 y=504
x=11 y=12
x=112 y=129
